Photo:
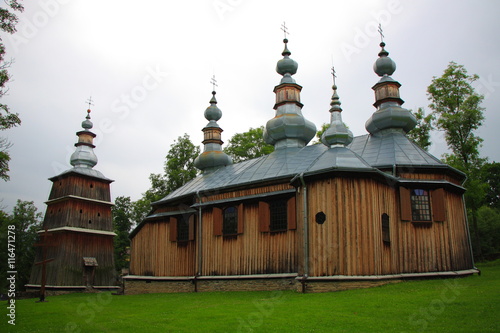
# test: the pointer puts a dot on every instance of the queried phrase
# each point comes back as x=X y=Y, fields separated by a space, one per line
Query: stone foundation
x=272 y=282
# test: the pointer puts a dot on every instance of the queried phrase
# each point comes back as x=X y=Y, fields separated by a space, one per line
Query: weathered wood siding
x=350 y=241
x=80 y=186
x=252 y=252
x=153 y=254
x=79 y=214
x=68 y=251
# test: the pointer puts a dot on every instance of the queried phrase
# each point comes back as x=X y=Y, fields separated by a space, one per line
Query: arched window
x=230 y=221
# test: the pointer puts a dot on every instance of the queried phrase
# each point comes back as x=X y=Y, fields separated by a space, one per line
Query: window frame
x=175 y=221
x=421 y=208
x=265 y=215
x=436 y=202
x=218 y=220
x=230 y=221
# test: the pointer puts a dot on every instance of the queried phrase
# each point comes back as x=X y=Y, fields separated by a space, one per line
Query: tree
x=26 y=221
x=320 y=132
x=122 y=222
x=178 y=170
x=421 y=134
x=8 y=21
x=245 y=146
x=458 y=113
x=491 y=176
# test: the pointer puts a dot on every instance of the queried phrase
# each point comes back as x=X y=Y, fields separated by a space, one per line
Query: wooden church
x=75 y=252
x=350 y=212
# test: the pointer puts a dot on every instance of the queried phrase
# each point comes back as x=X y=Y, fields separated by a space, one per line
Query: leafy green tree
x=178 y=170
x=8 y=21
x=26 y=221
x=245 y=146
x=122 y=223
x=320 y=132
x=491 y=176
x=421 y=134
x=458 y=112
x=489 y=230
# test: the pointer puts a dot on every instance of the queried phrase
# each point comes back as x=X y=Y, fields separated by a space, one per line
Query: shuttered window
x=182 y=228
x=277 y=215
x=228 y=221
x=422 y=205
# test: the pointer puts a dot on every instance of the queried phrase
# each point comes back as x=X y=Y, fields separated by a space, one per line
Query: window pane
x=420 y=205
x=230 y=224
x=278 y=212
x=183 y=228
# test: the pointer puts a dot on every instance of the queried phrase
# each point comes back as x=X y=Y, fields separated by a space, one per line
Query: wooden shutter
x=438 y=205
x=191 y=227
x=173 y=229
x=291 y=214
x=264 y=216
x=241 y=218
x=405 y=203
x=217 y=218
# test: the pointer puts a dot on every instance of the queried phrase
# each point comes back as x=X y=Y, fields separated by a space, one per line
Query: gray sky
x=148 y=64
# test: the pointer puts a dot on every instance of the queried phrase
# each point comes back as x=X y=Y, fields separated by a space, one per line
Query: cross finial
x=381 y=32
x=285 y=29
x=333 y=74
x=89 y=102
x=213 y=81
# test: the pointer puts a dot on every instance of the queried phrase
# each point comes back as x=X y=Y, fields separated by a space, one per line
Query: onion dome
x=389 y=114
x=212 y=157
x=84 y=156
x=287 y=66
x=337 y=134
x=288 y=128
x=384 y=65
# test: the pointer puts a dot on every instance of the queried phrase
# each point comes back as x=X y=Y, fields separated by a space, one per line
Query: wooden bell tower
x=79 y=222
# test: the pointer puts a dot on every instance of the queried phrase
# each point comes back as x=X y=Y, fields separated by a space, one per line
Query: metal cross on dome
x=381 y=32
x=285 y=29
x=333 y=74
x=213 y=81
x=89 y=102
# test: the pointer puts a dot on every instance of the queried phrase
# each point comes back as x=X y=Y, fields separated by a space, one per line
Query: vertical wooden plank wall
x=67 y=267
x=350 y=241
x=153 y=254
x=252 y=252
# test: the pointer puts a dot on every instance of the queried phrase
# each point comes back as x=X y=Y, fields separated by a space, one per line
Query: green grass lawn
x=470 y=304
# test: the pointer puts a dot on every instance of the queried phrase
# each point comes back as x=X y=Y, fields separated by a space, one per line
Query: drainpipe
x=306 y=232
x=200 y=259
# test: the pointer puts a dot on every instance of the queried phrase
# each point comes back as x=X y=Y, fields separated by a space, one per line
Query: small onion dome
x=87 y=124
x=384 y=65
x=337 y=133
x=286 y=65
x=213 y=112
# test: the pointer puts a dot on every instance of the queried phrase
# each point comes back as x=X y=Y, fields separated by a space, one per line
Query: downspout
x=306 y=232
x=200 y=259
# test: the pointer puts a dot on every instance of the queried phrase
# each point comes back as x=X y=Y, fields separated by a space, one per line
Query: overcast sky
x=148 y=64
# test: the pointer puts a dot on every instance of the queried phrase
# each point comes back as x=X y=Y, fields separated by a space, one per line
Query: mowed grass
x=470 y=304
